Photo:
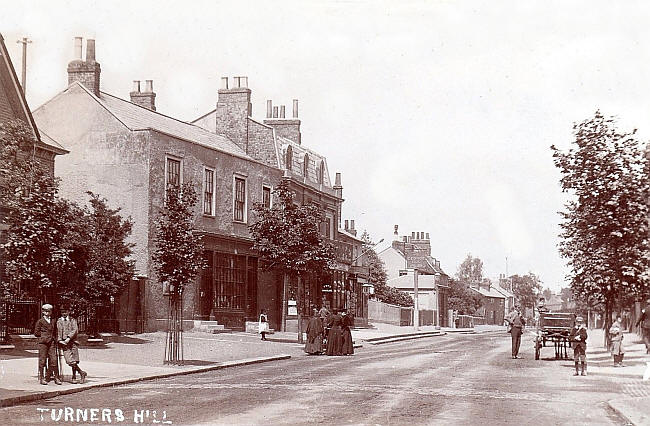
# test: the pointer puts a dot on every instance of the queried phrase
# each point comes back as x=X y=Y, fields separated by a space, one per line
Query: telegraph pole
x=25 y=41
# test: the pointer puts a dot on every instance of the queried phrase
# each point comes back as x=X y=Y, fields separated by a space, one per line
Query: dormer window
x=289 y=157
x=305 y=166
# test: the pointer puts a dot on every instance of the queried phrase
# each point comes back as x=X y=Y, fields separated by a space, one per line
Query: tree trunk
x=607 y=323
x=299 y=307
x=285 y=284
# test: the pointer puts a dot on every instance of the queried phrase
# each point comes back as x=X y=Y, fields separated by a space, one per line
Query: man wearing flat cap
x=45 y=330
x=578 y=338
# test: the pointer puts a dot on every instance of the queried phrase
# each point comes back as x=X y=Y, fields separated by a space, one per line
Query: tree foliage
x=462 y=298
x=604 y=225
x=288 y=235
x=178 y=255
x=526 y=289
x=470 y=271
x=377 y=277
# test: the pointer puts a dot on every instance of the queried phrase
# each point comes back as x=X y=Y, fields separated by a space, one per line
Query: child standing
x=579 y=338
x=616 y=334
x=263 y=324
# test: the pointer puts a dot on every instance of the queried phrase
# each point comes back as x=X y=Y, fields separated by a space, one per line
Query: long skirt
x=617 y=347
x=314 y=345
x=334 y=341
x=347 y=348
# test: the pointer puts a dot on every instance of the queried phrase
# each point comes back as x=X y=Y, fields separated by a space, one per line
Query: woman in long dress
x=616 y=334
x=335 y=336
x=347 y=347
x=314 y=343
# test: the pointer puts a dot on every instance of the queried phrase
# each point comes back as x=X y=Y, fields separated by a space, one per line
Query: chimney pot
x=346 y=225
x=90 y=50
x=244 y=80
x=148 y=86
x=412 y=235
x=427 y=236
x=224 y=82
x=269 y=108
x=396 y=226
x=136 y=86
x=352 y=224
x=337 y=179
x=281 y=111
x=77 y=47
x=275 y=112
x=295 y=108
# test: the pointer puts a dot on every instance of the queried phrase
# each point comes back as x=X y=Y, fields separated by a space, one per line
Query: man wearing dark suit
x=578 y=337
x=517 y=324
x=45 y=330
x=644 y=321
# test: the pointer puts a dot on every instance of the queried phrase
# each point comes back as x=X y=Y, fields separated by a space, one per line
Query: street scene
x=327 y=212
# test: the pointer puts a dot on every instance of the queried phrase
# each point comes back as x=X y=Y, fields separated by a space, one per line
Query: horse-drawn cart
x=554 y=327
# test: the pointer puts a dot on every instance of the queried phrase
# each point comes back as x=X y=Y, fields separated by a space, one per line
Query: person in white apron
x=264 y=324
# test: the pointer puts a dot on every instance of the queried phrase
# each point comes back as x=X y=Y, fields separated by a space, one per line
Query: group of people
x=330 y=333
x=53 y=336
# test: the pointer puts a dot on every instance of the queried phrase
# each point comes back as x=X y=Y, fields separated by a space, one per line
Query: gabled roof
x=13 y=104
x=492 y=292
x=134 y=117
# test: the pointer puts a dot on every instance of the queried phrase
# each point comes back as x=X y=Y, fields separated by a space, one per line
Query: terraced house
x=128 y=152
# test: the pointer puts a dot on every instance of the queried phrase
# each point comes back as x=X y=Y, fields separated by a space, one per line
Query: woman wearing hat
x=45 y=330
x=578 y=336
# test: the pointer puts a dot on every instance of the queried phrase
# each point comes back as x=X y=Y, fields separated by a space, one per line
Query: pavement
x=132 y=358
x=635 y=409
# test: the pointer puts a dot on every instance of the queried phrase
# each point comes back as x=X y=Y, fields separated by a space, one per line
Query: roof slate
x=136 y=117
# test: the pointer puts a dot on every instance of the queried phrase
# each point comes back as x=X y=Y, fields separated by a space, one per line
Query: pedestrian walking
x=314 y=345
x=45 y=331
x=263 y=324
x=578 y=337
x=644 y=321
x=347 y=322
x=67 y=330
x=335 y=336
x=616 y=336
x=517 y=323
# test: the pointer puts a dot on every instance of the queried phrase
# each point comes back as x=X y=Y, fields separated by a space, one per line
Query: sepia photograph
x=334 y=212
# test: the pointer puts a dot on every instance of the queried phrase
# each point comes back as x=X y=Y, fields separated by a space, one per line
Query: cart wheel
x=536 y=351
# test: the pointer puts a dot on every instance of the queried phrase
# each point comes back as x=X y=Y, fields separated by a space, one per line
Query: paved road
x=455 y=379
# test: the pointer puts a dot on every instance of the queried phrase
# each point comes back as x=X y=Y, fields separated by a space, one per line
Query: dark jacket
x=46 y=332
x=578 y=331
x=644 y=319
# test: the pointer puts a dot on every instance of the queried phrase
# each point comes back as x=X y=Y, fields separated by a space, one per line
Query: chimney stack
x=85 y=72
x=146 y=99
x=286 y=128
x=233 y=111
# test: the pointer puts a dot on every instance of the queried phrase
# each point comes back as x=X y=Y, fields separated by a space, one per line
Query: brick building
x=493 y=302
x=414 y=252
x=128 y=152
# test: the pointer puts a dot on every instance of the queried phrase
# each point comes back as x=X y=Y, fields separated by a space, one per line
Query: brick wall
x=261 y=144
x=233 y=110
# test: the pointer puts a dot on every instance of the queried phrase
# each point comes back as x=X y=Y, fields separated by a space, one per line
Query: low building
x=493 y=303
x=414 y=252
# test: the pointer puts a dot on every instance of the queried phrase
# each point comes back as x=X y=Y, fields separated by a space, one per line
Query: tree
x=604 y=229
x=526 y=289
x=547 y=293
x=177 y=258
x=100 y=255
x=289 y=240
x=567 y=299
x=462 y=298
x=470 y=271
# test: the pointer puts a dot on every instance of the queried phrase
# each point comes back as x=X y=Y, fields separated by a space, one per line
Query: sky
x=438 y=114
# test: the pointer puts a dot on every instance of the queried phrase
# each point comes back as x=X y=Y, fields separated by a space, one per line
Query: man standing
x=67 y=336
x=578 y=337
x=517 y=324
x=46 y=333
x=644 y=320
